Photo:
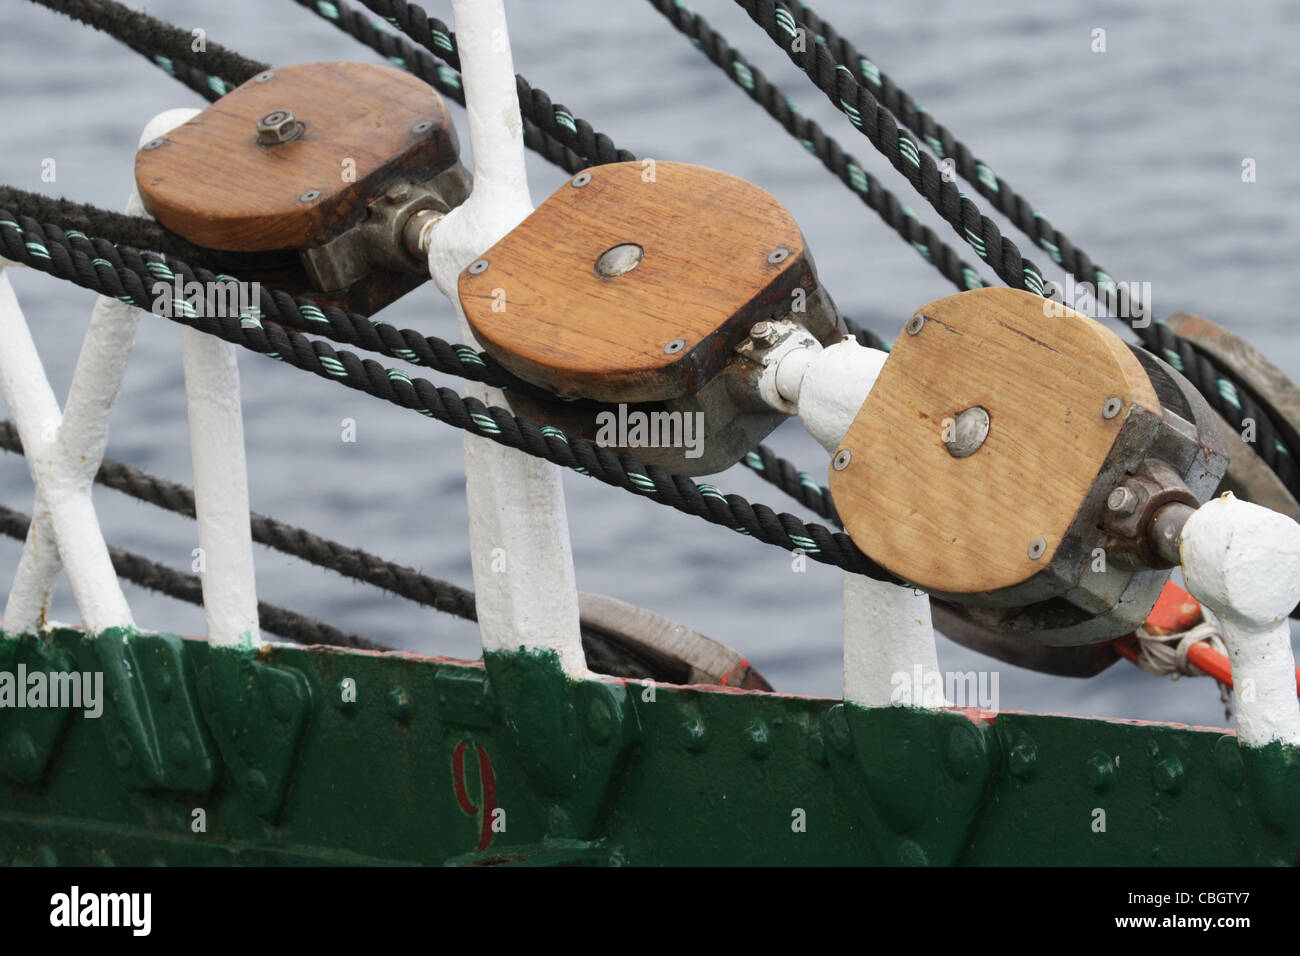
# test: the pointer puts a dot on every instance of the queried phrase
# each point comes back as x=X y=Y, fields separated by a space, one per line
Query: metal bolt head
x=968 y=431
x=619 y=260
x=763 y=333
x=422 y=127
x=778 y=255
x=263 y=77
x=478 y=267
x=399 y=193
x=841 y=459
x=915 y=324
x=675 y=346
x=278 y=127
x=1122 y=501
x=310 y=195
x=580 y=180
x=1037 y=548
x=153 y=144
x=1112 y=407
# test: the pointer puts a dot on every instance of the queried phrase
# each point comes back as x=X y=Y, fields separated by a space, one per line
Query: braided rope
x=189 y=587
x=212 y=72
x=118 y=272
x=841 y=87
x=847 y=168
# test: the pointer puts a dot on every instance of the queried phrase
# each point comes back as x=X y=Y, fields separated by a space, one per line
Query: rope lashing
x=847 y=168
x=1166 y=655
x=189 y=588
x=73 y=259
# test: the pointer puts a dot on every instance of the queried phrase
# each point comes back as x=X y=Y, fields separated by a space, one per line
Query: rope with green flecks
x=846 y=168
x=124 y=274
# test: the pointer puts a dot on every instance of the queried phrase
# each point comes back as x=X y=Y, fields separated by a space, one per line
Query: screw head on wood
x=675 y=346
x=310 y=195
x=1112 y=407
x=968 y=432
x=478 y=267
x=580 y=180
x=841 y=459
x=263 y=77
x=422 y=127
x=153 y=144
x=778 y=255
x=1037 y=548
x=619 y=260
x=915 y=324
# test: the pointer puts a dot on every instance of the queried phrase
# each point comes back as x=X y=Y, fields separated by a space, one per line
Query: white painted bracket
x=1242 y=561
x=888 y=636
x=525 y=586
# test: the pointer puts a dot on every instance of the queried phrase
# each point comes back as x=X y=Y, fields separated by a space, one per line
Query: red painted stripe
x=458 y=777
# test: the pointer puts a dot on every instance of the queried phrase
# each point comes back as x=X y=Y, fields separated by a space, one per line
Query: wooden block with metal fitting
x=330 y=170
x=641 y=285
x=1024 y=465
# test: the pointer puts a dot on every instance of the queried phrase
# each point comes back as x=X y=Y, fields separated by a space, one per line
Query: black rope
x=189 y=587
x=445 y=79
x=848 y=169
x=153 y=38
x=604 y=654
x=942 y=142
x=118 y=272
x=875 y=122
x=137 y=232
x=553 y=119
x=350 y=562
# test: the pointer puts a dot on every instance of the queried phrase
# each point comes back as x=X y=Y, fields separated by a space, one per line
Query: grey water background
x=1136 y=153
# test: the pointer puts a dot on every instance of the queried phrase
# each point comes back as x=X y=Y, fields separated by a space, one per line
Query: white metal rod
x=62 y=494
x=220 y=489
x=1242 y=561
x=526 y=590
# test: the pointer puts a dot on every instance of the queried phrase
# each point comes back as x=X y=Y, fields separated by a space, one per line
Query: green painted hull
x=207 y=756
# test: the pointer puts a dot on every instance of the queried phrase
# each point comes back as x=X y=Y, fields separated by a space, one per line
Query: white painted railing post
x=1242 y=561
x=64 y=450
x=887 y=630
x=519 y=535
x=218 y=459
